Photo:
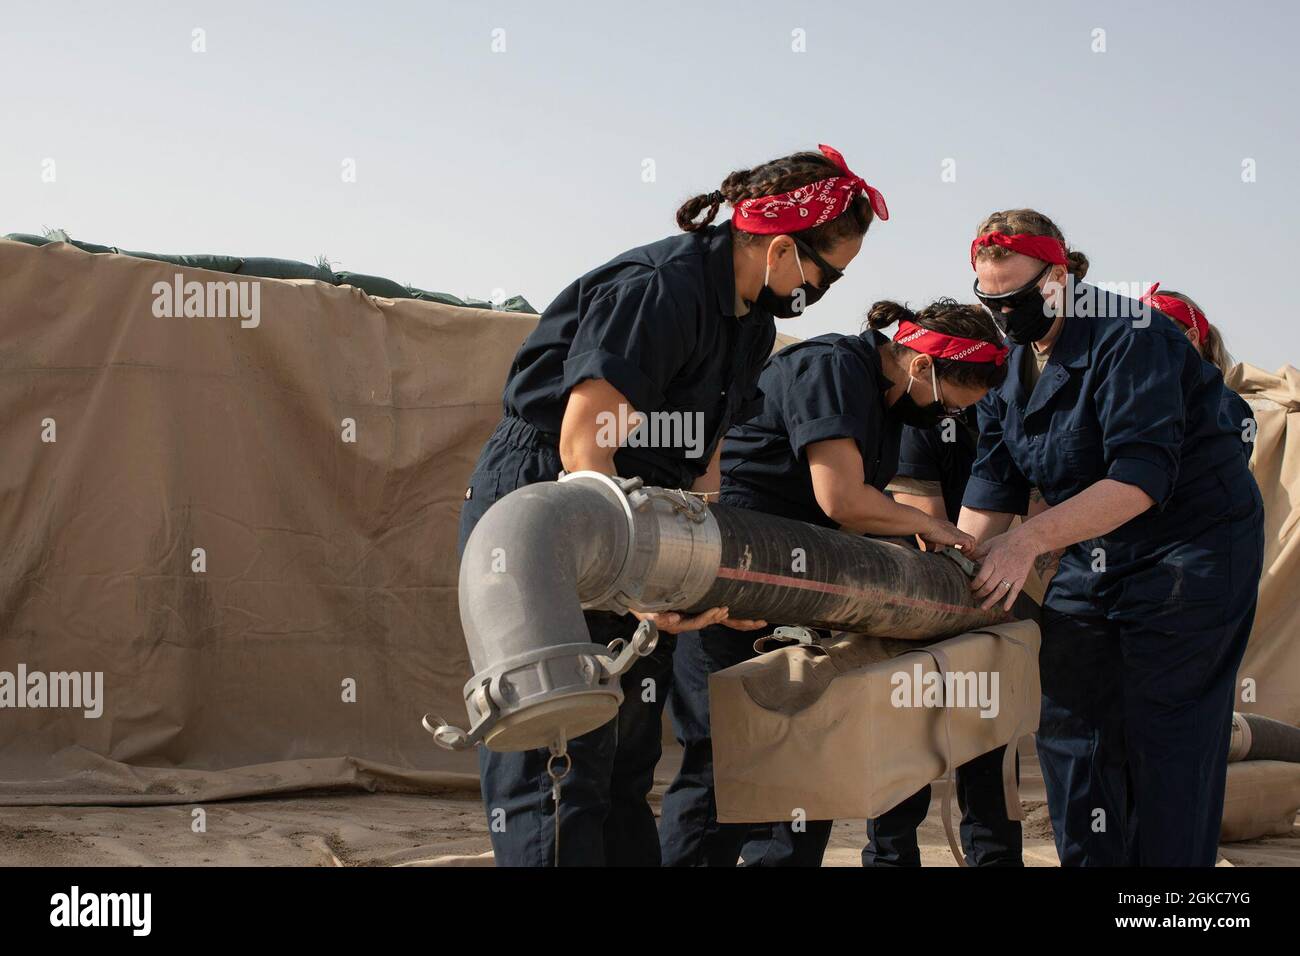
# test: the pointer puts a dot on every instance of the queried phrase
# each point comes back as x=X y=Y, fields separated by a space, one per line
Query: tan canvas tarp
x=1272 y=661
x=823 y=733
x=1261 y=799
x=327 y=562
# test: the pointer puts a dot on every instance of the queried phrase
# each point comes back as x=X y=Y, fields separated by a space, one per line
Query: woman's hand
x=672 y=622
x=1006 y=561
x=941 y=532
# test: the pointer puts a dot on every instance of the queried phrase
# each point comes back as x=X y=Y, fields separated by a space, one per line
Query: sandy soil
x=444 y=829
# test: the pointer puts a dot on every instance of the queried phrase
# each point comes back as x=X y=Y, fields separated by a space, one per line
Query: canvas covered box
x=849 y=728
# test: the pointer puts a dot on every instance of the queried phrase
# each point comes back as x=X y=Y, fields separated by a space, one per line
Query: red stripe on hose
x=804 y=584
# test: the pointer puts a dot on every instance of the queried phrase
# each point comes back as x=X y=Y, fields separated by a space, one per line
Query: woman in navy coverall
x=1125 y=432
x=1207 y=340
x=680 y=326
x=822 y=450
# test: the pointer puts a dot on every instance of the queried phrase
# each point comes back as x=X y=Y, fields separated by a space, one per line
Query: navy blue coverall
x=1144 y=627
x=827 y=387
x=945 y=454
x=659 y=324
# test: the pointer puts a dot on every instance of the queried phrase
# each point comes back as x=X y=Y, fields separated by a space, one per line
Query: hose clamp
x=622 y=488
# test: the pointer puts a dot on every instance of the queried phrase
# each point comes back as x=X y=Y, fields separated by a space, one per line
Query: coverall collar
x=1073 y=349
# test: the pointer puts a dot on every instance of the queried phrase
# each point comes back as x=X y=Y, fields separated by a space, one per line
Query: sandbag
x=272 y=268
x=847 y=729
x=1262 y=799
x=216 y=263
x=280 y=269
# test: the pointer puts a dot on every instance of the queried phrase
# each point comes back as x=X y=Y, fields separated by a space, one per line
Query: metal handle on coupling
x=787 y=636
x=623 y=654
x=450 y=737
x=445 y=735
x=643 y=642
x=1024 y=609
x=968 y=567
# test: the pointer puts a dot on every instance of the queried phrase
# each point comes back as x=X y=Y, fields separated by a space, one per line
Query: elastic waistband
x=520 y=432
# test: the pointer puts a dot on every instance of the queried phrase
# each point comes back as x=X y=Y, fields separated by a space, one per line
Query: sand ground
x=444 y=829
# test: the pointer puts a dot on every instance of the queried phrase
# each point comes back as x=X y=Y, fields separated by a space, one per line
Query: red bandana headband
x=1044 y=248
x=808 y=206
x=1178 y=310
x=948 y=346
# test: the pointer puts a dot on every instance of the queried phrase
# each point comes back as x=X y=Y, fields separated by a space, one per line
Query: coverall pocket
x=1083 y=453
x=1194 y=576
x=483 y=491
x=484 y=486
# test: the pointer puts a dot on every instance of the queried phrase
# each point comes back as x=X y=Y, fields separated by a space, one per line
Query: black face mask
x=1029 y=319
x=909 y=412
x=788 y=306
x=1028 y=322
x=920 y=416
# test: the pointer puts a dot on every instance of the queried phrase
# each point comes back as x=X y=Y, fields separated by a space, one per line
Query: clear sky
x=479 y=168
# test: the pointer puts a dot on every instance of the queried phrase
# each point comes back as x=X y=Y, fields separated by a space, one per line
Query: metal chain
x=558 y=749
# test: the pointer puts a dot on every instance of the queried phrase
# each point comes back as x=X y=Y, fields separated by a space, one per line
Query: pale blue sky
x=520 y=170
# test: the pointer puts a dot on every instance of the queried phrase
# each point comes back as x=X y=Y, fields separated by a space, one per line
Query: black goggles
x=830 y=274
x=1015 y=298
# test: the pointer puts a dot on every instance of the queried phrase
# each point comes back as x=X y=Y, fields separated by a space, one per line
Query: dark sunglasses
x=1014 y=299
x=830 y=274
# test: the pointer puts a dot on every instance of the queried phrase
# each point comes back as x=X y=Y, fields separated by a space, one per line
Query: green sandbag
x=28 y=238
x=268 y=268
x=373 y=285
x=516 y=303
x=211 y=263
x=264 y=268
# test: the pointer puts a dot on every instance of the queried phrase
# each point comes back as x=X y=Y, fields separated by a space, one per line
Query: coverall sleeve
x=1141 y=401
x=828 y=398
x=996 y=483
x=637 y=336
